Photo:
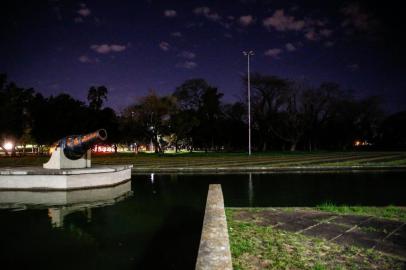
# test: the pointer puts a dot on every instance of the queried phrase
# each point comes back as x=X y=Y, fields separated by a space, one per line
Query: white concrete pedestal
x=34 y=178
x=59 y=161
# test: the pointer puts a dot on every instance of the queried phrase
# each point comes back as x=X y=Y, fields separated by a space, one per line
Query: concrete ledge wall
x=64 y=180
x=214 y=249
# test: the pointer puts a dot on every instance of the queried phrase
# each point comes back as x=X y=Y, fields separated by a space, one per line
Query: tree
x=152 y=113
x=15 y=117
x=201 y=102
x=96 y=97
x=392 y=132
x=316 y=103
x=234 y=134
x=181 y=125
x=290 y=122
x=209 y=115
x=58 y=116
x=130 y=130
x=189 y=94
x=348 y=119
x=269 y=94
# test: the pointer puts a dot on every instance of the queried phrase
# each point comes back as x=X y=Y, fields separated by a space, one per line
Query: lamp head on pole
x=248 y=53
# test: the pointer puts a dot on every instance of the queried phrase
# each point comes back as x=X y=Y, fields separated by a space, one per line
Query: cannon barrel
x=75 y=146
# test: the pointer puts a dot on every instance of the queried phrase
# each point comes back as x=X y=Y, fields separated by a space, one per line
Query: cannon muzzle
x=75 y=146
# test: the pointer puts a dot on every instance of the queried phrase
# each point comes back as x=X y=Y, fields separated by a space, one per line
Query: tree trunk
x=176 y=146
x=4 y=149
x=13 y=152
x=136 y=149
x=158 y=148
x=293 y=147
x=264 y=147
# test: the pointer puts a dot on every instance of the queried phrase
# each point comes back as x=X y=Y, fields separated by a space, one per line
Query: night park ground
x=323 y=236
x=232 y=162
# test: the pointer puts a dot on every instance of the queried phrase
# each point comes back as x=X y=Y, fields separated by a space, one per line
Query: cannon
x=75 y=146
x=73 y=151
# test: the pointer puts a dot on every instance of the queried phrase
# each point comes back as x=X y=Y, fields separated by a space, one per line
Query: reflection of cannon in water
x=63 y=203
x=74 y=151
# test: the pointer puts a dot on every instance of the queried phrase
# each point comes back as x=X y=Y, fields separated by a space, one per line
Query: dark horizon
x=63 y=46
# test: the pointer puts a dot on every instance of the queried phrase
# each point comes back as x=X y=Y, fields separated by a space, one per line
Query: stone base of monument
x=59 y=161
x=35 y=178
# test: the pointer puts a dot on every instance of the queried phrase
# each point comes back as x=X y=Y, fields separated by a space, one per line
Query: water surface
x=154 y=221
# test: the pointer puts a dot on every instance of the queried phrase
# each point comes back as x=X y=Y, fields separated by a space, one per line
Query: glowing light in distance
x=8 y=146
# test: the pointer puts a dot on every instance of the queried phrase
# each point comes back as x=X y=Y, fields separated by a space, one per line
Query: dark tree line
x=286 y=115
x=27 y=117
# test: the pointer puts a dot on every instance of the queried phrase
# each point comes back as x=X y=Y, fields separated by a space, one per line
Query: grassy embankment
x=388 y=212
x=236 y=161
x=256 y=246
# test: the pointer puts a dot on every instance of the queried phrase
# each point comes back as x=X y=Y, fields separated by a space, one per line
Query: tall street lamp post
x=248 y=54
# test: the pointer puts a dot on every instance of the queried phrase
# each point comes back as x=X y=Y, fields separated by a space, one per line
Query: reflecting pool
x=154 y=221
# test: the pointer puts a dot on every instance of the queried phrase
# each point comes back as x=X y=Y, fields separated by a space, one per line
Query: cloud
x=326 y=32
x=164 y=46
x=274 y=53
x=87 y=60
x=170 y=13
x=311 y=35
x=353 y=67
x=176 y=34
x=103 y=48
x=290 y=47
x=84 y=12
x=207 y=13
x=78 y=19
x=329 y=44
x=187 y=55
x=355 y=17
x=106 y=48
x=187 y=65
x=201 y=10
x=84 y=59
x=282 y=22
x=213 y=17
x=117 y=47
x=246 y=20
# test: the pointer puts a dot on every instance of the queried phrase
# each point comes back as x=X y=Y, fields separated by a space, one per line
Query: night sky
x=133 y=46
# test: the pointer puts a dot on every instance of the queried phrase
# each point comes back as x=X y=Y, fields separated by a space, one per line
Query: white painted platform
x=36 y=178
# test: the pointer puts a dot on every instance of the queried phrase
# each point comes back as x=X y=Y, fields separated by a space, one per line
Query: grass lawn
x=235 y=161
x=388 y=212
x=258 y=246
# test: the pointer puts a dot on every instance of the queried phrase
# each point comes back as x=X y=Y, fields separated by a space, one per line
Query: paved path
x=384 y=235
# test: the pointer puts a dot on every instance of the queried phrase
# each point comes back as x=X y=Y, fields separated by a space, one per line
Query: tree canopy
x=286 y=115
